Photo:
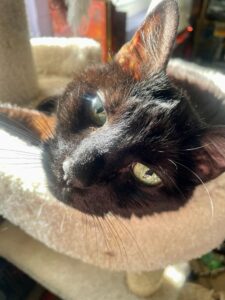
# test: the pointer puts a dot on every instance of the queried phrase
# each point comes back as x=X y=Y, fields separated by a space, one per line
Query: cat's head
x=126 y=140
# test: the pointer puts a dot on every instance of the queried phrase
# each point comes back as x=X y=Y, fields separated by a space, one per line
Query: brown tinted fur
x=104 y=78
x=42 y=125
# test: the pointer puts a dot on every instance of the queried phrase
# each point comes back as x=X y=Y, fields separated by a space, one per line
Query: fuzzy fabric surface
x=57 y=60
x=64 y=56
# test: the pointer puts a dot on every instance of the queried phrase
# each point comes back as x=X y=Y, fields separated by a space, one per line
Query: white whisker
x=203 y=184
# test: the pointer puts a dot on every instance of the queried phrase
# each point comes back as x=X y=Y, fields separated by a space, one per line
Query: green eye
x=145 y=175
x=96 y=108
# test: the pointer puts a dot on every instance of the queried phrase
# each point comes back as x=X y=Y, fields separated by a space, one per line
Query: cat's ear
x=31 y=125
x=210 y=157
x=150 y=48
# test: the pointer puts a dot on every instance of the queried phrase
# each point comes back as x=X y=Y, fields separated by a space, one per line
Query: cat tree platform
x=72 y=279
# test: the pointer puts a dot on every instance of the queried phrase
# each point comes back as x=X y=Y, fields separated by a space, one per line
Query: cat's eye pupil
x=99 y=110
x=145 y=175
x=96 y=108
x=149 y=173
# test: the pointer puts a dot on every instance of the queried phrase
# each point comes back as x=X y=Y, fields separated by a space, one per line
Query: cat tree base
x=59 y=273
x=144 y=284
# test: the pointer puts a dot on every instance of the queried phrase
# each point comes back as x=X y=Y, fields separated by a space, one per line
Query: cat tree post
x=18 y=81
x=144 y=284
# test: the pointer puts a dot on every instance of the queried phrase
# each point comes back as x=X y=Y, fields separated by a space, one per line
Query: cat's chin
x=100 y=201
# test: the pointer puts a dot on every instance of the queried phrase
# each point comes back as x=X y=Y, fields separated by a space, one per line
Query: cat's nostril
x=112 y=176
x=87 y=172
x=79 y=184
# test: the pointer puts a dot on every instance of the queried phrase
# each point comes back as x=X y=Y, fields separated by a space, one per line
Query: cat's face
x=95 y=164
x=125 y=139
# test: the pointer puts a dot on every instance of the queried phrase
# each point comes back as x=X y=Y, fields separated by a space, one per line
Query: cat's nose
x=83 y=173
x=87 y=163
x=79 y=184
x=86 y=174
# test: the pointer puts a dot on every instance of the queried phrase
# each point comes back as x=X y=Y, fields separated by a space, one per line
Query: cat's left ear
x=210 y=157
x=150 y=48
x=29 y=124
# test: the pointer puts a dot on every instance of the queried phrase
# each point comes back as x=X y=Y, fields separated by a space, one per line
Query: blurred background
x=201 y=30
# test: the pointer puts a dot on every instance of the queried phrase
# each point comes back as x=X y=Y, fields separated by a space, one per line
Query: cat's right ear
x=150 y=48
x=210 y=157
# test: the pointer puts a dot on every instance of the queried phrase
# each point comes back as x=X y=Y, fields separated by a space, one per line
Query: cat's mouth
x=122 y=195
x=92 y=201
x=101 y=200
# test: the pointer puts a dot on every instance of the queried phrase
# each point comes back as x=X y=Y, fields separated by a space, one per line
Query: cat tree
x=135 y=245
